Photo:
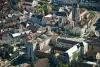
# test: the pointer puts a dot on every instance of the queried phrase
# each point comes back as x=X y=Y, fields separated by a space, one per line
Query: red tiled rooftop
x=42 y=54
x=93 y=52
x=82 y=10
x=32 y=41
x=34 y=34
x=54 y=36
x=41 y=63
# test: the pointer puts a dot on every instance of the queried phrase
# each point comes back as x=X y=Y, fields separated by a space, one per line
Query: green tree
x=32 y=62
x=45 y=9
x=75 y=56
x=44 y=4
x=92 y=48
x=62 y=65
x=80 y=59
x=39 y=10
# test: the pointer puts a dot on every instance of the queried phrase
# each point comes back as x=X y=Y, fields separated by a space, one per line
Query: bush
x=75 y=55
x=62 y=65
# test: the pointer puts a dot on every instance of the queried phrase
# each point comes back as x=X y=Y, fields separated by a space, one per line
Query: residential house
x=48 y=31
x=20 y=33
x=49 y=18
x=33 y=28
x=42 y=30
x=61 y=17
x=33 y=35
x=27 y=3
x=38 y=19
x=23 y=17
x=44 y=46
x=31 y=2
x=14 y=4
x=43 y=36
x=7 y=39
x=53 y=39
x=54 y=36
x=37 y=33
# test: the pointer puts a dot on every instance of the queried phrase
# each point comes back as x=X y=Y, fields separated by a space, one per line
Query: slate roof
x=61 y=13
x=28 y=0
x=39 y=16
x=80 y=64
x=94 y=42
x=33 y=28
x=59 y=48
x=67 y=41
x=98 y=22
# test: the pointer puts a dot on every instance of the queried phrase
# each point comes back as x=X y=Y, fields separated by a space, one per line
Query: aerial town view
x=49 y=33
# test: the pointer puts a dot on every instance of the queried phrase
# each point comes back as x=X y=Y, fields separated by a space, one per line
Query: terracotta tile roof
x=32 y=41
x=10 y=29
x=42 y=54
x=44 y=29
x=10 y=24
x=93 y=52
x=33 y=34
x=82 y=10
x=41 y=63
x=54 y=37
